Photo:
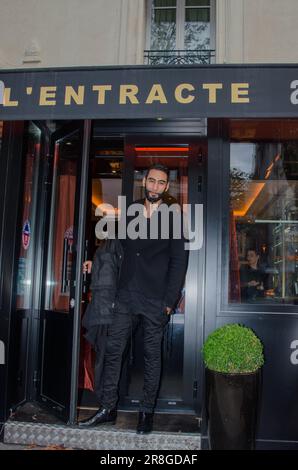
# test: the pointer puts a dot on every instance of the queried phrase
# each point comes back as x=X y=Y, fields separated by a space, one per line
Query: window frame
x=180 y=22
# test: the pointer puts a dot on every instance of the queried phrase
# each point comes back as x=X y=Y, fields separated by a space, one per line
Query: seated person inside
x=252 y=278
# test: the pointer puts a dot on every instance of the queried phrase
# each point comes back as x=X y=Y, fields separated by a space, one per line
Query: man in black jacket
x=151 y=278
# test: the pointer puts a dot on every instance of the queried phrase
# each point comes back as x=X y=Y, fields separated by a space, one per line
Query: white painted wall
x=71 y=32
x=257 y=31
x=54 y=33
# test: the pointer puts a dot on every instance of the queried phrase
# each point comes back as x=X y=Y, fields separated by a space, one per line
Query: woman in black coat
x=99 y=313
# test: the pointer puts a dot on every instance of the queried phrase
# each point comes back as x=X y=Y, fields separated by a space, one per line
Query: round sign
x=26 y=235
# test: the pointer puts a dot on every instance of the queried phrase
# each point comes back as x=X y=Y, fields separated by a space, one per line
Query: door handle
x=64 y=267
x=85 y=274
x=200 y=183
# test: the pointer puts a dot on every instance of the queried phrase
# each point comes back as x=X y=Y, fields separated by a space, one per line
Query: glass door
x=23 y=315
x=184 y=156
x=58 y=311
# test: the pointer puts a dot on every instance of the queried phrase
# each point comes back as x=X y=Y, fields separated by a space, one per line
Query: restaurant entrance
x=69 y=169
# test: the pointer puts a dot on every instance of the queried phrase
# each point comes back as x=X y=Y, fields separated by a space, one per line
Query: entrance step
x=98 y=438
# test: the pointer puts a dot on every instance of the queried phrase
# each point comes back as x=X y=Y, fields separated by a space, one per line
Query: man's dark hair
x=160 y=167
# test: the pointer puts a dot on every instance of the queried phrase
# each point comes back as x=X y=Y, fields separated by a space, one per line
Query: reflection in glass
x=106 y=187
x=61 y=237
x=163 y=25
x=197 y=28
x=28 y=219
x=264 y=222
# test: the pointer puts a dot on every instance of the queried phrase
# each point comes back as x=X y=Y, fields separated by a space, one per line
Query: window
x=180 y=25
x=197 y=24
x=263 y=239
x=163 y=25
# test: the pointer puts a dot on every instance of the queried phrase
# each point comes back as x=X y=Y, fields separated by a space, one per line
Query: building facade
x=69 y=34
x=94 y=94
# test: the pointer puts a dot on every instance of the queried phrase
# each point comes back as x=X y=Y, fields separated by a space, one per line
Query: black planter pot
x=232 y=402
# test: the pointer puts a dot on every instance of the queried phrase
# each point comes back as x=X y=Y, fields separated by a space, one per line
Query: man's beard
x=153 y=199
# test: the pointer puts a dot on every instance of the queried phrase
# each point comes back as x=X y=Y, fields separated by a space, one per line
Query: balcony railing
x=179 y=57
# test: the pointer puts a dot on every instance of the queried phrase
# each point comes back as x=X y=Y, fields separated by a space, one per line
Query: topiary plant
x=233 y=349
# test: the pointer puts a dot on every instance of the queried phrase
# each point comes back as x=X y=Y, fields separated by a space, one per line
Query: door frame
x=70 y=412
x=139 y=131
x=10 y=179
x=78 y=276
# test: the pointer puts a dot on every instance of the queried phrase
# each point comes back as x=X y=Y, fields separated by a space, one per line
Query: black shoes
x=103 y=415
x=145 y=423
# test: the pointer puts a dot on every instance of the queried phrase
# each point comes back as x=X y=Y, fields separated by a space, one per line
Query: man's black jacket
x=157 y=266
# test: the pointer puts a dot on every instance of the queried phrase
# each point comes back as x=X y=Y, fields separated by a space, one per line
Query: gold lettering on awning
x=179 y=93
x=46 y=93
x=101 y=89
x=76 y=95
x=7 y=100
x=239 y=93
x=212 y=88
x=128 y=92
x=156 y=94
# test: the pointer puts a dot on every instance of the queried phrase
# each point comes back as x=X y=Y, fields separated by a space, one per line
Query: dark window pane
x=163 y=29
x=197 y=28
x=197 y=15
x=197 y=3
x=164 y=16
x=164 y=3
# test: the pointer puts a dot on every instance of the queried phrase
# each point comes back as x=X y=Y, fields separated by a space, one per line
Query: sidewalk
x=13 y=446
x=29 y=447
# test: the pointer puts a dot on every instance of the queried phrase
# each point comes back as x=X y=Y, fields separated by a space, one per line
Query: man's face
x=156 y=184
x=252 y=257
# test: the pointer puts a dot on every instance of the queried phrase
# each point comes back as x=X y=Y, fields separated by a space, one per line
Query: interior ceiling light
x=162 y=149
x=256 y=188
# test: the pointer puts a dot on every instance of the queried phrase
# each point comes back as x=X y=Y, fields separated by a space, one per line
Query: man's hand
x=87 y=266
x=167 y=310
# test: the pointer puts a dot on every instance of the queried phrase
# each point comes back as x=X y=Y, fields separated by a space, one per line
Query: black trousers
x=119 y=332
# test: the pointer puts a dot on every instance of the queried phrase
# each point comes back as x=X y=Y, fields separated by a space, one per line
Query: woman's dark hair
x=257 y=252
